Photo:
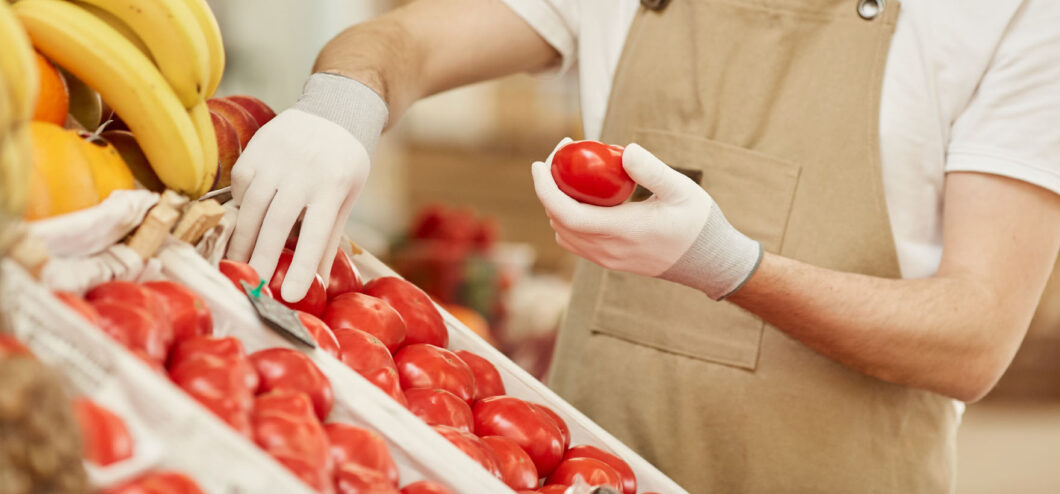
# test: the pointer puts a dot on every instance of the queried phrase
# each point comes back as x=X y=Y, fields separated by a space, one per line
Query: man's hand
x=678 y=234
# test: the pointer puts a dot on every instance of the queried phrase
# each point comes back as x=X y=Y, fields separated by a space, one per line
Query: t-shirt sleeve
x=556 y=22
x=1011 y=127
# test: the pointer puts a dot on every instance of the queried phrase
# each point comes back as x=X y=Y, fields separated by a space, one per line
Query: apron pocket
x=755 y=191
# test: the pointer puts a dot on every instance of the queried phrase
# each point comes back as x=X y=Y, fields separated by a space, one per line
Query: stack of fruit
x=18 y=96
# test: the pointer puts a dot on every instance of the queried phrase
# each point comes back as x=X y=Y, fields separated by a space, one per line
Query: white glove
x=679 y=234
x=313 y=159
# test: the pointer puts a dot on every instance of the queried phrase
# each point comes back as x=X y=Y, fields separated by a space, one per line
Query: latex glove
x=312 y=159
x=678 y=234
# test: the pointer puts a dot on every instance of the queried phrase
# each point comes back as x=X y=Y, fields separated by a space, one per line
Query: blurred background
x=450 y=205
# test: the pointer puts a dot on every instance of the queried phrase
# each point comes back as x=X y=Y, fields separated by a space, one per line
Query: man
x=873 y=187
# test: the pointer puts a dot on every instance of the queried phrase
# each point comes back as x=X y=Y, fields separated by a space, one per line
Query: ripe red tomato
x=80 y=306
x=134 y=328
x=429 y=367
x=552 y=489
x=593 y=471
x=104 y=437
x=368 y=314
x=219 y=386
x=472 y=446
x=523 y=423
x=320 y=332
x=487 y=380
x=344 y=277
x=352 y=478
x=187 y=311
x=440 y=407
x=129 y=293
x=629 y=480
x=227 y=348
x=592 y=172
x=426 y=487
x=387 y=380
x=363 y=352
x=517 y=469
x=284 y=368
x=241 y=271
x=315 y=299
x=350 y=444
x=285 y=425
x=157 y=483
x=556 y=419
x=10 y=346
x=313 y=476
x=423 y=323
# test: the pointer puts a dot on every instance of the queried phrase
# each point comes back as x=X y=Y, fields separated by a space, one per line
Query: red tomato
x=361 y=446
x=158 y=483
x=387 y=380
x=423 y=323
x=129 y=293
x=104 y=437
x=592 y=172
x=363 y=352
x=487 y=380
x=320 y=332
x=344 y=277
x=352 y=478
x=227 y=348
x=80 y=305
x=368 y=314
x=593 y=471
x=10 y=346
x=629 y=480
x=426 y=487
x=473 y=447
x=312 y=475
x=187 y=312
x=219 y=386
x=315 y=299
x=429 y=367
x=241 y=271
x=517 y=469
x=556 y=419
x=553 y=489
x=440 y=407
x=285 y=425
x=284 y=368
x=523 y=423
x=134 y=328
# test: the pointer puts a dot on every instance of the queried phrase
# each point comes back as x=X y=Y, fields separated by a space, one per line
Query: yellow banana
x=214 y=45
x=120 y=26
x=95 y=53
x=174 y=39
x=200 y=116
x=14 y=170
x=17 y=65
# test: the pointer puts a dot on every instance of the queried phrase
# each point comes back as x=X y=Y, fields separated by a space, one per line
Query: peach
x=257 y=108
x=227 y=146
x=241 y=119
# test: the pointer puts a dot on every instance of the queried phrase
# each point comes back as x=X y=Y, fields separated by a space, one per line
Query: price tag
x=277 y=316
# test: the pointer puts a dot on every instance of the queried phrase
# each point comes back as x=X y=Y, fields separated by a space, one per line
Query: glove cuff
x=720 y=260
x=347 y=102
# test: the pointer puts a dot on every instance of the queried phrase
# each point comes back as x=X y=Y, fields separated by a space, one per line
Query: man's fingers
x=336 y=236
x=312 y=242
x=252 y=211
x=583 y=218
x=562 y=142
x=649 y=171
x=275 y=228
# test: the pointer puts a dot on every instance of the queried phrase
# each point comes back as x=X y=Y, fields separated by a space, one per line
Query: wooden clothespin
x=199 y=218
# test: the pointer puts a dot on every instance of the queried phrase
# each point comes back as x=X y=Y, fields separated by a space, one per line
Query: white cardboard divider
x=418 y=451
x=520 y=384
x=171 y=430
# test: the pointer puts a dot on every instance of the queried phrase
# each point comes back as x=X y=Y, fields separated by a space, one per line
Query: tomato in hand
x=219 y=386
x=556 y=419
x=593 y=471
x=284 y=368
x=320 y=332
x=363 y=352
x=592 y=172
x=352 y=478
x=187 y=311
x=344 y=277
x=517 y=469
x=79 y=305
x=368 y=314
x=314 y=300
x=426 y=487
x=423 y=323
x=629 y=480
x=104 y=437
x=227 y=348
x=523 y=423
x=240 y=271
x=429 y=367
x=487 y=380
x=135 y=328
x=472 y=446
x=350 y=444
x=440 y=407
x=387 y=380
x=157 y=483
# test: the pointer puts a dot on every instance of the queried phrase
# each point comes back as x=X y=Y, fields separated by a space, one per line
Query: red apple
x=228 y=147
x=241 y=119
x=257 y=108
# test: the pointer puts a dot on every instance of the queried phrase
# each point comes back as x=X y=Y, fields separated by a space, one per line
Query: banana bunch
x=155 y=62
x=18 y=97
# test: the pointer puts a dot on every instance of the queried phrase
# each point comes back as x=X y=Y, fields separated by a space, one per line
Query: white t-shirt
x=970 y=85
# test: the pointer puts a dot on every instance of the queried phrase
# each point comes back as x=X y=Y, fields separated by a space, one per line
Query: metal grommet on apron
x=870 y=9
x=654 y=4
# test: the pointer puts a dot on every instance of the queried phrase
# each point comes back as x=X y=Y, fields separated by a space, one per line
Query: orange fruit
x=53 y=103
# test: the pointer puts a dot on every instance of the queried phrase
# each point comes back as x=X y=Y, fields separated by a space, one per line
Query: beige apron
x=773 y=106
